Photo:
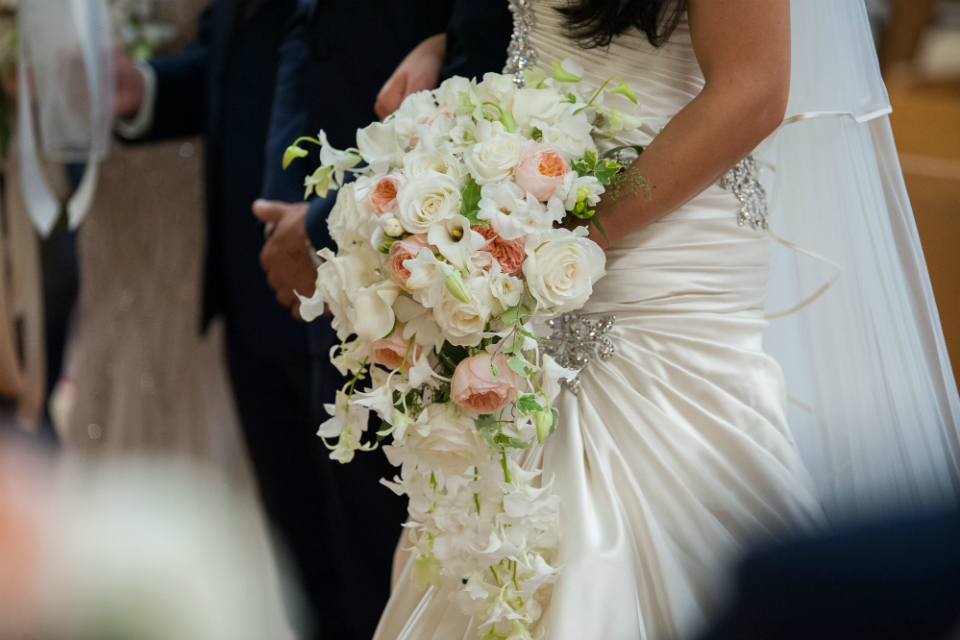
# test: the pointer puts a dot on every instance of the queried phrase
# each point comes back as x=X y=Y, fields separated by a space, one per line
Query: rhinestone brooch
x=574 y=342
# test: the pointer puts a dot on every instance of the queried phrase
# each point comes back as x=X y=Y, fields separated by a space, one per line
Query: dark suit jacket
x=222 y=85
x=478 y=32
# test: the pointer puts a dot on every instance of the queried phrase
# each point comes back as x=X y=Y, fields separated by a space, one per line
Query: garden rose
x=401 y=251
x=509 y=253
x=384 y=194
x=562 y=267
x=394 y=352
x=540 y=169
x=476 y=389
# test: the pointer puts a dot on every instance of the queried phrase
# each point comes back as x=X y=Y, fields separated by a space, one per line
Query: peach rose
x=540 y=169
x=476 y=389
x=390 y=351
x=384 y=195
x=509 y=253
x=401 y=250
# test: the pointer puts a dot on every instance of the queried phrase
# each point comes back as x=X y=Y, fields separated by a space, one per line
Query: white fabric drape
x=65 y=60
x=876 y=412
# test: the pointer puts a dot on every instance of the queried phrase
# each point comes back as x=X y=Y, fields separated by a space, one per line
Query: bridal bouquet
x=451 y=246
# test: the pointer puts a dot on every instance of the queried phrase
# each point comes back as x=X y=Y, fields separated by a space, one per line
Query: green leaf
x=515 y=346
x=485 y=421
x=581 y=168
x=562 y=75
x=517 y=364
x=605 y=170
x=596 y=221
x=502 y=441
x=490 y=435
x=527 y=404
x=470 y=203
x=510 y=315
x=590 y=158
x=494 y=370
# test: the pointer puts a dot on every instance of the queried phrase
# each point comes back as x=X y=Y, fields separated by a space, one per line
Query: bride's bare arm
x=743 y=47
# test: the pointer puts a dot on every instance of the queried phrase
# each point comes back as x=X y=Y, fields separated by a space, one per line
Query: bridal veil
x=873 y=401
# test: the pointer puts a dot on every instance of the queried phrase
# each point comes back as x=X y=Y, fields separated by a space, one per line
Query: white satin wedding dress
x=675 y=456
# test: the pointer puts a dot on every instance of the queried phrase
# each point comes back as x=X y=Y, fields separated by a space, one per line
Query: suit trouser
x=273 y=398
x=339 y=525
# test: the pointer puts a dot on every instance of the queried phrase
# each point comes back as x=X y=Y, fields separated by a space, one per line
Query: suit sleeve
x=181 y=100
x=478 y=35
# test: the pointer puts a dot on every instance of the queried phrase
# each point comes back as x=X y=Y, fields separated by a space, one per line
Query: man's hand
x=419 y=71
x=285 y=255
x=130 y=86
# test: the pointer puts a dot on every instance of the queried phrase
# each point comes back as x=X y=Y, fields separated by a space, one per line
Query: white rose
x=447 y=94
x=493 y=159
x=340 y=278
x=463 y=323
x=379 y=146
x=348 y=217
x=447 y=440
x=439 y=160
x=372 y=314
x=540 y=104
x=562 y=267
x=426 y=199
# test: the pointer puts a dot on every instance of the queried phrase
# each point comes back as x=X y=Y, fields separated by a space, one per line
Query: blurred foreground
x=130 y=549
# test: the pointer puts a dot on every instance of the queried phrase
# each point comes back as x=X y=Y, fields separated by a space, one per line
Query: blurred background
x=919 y=47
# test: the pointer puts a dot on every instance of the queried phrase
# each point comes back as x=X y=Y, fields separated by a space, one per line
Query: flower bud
x=292 y=152
x=545 y=423
x=393 y=228
x=454 y=284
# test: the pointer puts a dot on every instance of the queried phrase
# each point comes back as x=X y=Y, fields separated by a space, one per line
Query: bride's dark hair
x=594 y=23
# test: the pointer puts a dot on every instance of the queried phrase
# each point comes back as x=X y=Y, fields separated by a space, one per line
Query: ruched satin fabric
x=675 y=457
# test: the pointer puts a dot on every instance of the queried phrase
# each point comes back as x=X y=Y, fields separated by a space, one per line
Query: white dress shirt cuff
x=138 y=126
